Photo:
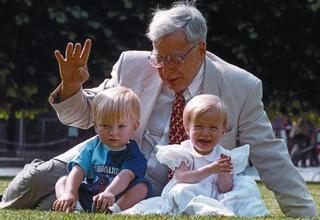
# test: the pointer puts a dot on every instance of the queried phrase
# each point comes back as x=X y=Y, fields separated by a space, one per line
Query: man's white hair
x=182 y=15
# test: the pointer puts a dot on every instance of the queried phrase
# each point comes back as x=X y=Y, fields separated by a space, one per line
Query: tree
x=276 y=41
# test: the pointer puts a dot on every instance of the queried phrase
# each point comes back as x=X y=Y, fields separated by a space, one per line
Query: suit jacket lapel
x=151 y=87
x=210 y=84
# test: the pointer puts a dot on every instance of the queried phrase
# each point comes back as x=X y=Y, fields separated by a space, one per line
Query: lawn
x=267 y=196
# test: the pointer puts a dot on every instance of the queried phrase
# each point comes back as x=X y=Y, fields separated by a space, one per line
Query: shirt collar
x=212 y=156
x=194 y=88
x=109 y=148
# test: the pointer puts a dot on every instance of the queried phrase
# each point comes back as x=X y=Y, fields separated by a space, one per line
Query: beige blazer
x=242 y=93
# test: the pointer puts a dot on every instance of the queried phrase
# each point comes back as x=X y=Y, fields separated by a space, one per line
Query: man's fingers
x=58 y=56
x=77 y=50
x=86 y=51
x=69 y=51
x=83 y=72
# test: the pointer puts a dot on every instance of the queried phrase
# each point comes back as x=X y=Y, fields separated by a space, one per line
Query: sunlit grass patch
x=266 y=195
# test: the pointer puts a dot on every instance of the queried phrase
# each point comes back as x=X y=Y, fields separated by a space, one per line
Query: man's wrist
x=67 y=90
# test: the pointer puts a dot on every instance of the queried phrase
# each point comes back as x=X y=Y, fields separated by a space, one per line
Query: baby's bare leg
x=133 y=196
x=60 y=186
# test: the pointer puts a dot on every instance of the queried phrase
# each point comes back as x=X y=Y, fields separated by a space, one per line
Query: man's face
x=178 y=76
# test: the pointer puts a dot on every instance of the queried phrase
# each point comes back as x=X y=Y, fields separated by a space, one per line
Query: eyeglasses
x=158 y=61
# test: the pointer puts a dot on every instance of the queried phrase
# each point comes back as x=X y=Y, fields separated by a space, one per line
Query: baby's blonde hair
x=201 y=104
x=114 y=104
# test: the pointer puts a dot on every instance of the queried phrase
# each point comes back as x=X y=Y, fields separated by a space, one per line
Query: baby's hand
x=225 y=156
x=102 y=201
x=65 y=203
x=223 y=164
x=227 y=163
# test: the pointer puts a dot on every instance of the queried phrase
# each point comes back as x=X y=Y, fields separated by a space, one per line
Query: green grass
x=267 y=197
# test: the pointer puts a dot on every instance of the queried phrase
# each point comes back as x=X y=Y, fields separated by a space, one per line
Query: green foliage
x=315 y=5
x=278 y=41
x=295 y=110
x=4 y=115
x=31 y=114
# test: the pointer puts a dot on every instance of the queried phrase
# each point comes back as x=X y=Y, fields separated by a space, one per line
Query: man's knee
x=33 y=183
x=43 y=173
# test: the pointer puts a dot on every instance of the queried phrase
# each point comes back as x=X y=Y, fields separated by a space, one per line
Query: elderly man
x=178 y=64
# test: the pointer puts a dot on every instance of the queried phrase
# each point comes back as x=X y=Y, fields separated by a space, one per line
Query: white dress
x=203 y=198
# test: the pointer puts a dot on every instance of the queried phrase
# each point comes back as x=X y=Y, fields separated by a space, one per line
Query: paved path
x=9 y=171
x=310 y=174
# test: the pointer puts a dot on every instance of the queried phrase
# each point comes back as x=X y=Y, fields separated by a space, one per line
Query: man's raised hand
x=73 y=67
